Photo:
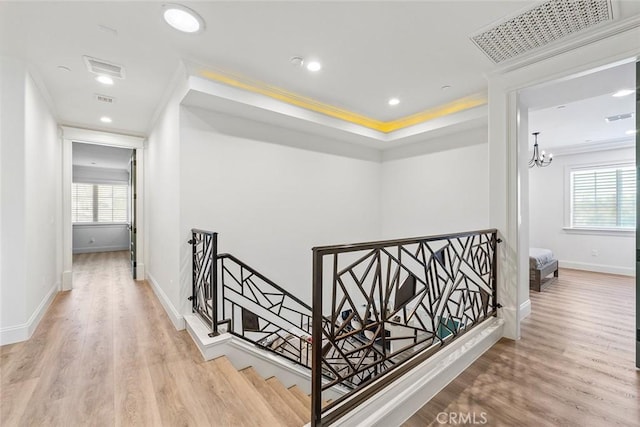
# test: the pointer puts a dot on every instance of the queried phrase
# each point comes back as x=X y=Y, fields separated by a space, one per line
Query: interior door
x=132 y=212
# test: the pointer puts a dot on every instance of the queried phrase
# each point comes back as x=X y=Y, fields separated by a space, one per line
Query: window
x=99 y=203
x=604 y=197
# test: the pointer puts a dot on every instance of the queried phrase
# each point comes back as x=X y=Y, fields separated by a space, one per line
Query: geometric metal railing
x=257 y=310
x=227 y=291
x=204 y=292
x=388 y=306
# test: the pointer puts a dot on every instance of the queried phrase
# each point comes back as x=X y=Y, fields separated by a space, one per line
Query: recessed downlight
x=393 y=101
x=623 y=92
x=182 y=18
x=105 y=80
x=561 y=107
x=105 y=119
x=314 y=66
x=445 y=87
x=63 y=68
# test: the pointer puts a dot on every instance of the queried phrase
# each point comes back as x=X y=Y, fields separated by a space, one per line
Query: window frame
x=596 y=230
x=95 y=203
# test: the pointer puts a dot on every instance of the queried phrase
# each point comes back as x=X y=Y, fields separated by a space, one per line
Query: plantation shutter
x=603 y=198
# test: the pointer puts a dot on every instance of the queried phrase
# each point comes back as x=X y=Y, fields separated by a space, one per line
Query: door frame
x=508 y=144
x=69 y=136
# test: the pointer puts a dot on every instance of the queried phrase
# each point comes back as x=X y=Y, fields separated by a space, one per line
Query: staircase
x=250 y=399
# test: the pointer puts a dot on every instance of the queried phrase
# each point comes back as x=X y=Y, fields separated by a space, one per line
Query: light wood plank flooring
x=106 y=354
x=574 y=366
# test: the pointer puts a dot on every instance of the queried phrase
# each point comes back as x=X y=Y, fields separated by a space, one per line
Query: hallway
x=106 y=354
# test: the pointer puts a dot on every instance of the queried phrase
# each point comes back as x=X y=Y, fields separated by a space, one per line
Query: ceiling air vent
x=99 y=66
x=618 y=117
x=104 y=98
x=541 y=25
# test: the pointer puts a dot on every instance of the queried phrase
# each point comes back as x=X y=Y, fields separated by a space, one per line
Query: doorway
x=103 y=201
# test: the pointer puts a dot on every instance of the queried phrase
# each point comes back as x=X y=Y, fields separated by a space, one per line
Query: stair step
x=281 y=408
x=254 y=409
x=304 y=412
x=300 y=395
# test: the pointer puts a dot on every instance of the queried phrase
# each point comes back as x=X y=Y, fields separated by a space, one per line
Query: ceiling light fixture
x=105 y=119
x=393 y=101
x=538 y=158
x=623 y=92
x=560 y=107
x=314 y=66
x=63 y=68
x=105 y=80
x=445 y=87
x=182 y=18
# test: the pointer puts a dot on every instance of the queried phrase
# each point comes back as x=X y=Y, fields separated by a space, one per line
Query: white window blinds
x=603 y=198
x=99 y=203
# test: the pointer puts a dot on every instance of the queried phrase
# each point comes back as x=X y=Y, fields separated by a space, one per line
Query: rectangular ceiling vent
x=104 y=98
x=618 y=117
x=102 y=67
x=541 y=25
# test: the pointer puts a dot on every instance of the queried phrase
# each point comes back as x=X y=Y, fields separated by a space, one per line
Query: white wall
x=271 y=203
x=100 y=238
x=548 y=201
x=31 y=204
x=437 y=193
x=97 y=175
x=162 y=204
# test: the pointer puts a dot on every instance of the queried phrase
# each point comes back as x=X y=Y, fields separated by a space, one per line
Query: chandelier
x=538 y=158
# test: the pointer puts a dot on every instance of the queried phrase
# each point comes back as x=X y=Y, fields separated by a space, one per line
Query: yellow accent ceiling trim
x=291 y=98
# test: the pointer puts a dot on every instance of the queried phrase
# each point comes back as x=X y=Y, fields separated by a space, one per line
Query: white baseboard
x=598 y=268
x=140 y=273
x=525 y=309
x=67 y=280
x=99 y=249
x=399 y=401
x=176 y=318
x=23 y=332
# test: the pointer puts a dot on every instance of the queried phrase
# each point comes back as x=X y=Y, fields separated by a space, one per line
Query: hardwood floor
x=573 y=366
x=106 y=354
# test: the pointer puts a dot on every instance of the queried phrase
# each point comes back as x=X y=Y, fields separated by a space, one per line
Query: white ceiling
x=370 y=51
x=100 y=156
x=587 y=100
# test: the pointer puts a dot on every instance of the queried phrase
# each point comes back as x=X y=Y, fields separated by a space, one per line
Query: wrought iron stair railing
x=231 y=296
x=403 y=299
x=382 y=308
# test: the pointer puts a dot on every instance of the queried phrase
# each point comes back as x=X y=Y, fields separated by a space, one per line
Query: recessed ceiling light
x=63 y=68
x=314 y=66
x=631 y=131
x=445 y=87
x=560 y=107
x=623 y=92
x=93 y=163
x=105 y=119
x=182 y=18
x=393 y=101
x=105 y=80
